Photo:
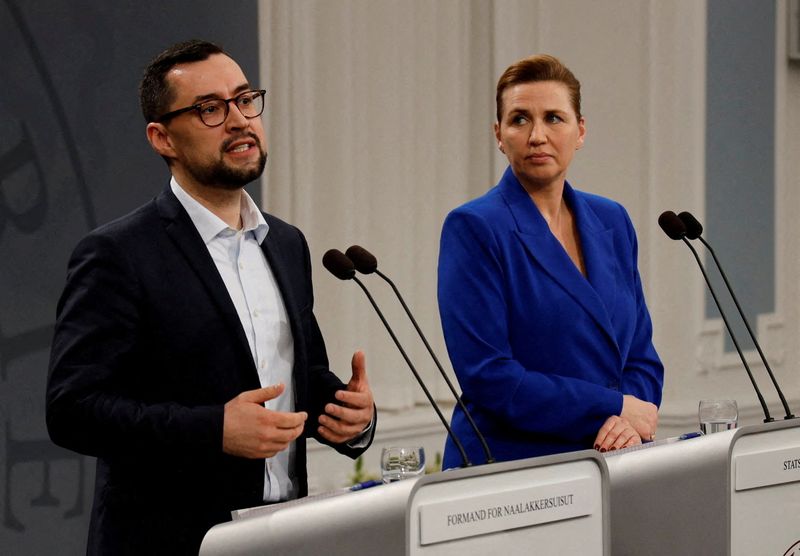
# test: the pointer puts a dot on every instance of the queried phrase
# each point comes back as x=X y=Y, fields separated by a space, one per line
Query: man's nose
x=235 y=119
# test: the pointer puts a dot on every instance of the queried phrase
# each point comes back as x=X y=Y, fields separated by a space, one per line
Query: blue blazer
x=543 y=354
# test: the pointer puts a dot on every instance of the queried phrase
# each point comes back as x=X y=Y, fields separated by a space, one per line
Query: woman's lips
x=539 y=157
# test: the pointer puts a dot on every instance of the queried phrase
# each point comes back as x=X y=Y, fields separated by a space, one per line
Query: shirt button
x=241 y=265
x=255 y=313
x=262 y=364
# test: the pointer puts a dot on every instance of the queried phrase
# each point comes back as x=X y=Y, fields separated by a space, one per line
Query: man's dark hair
x=155 y=95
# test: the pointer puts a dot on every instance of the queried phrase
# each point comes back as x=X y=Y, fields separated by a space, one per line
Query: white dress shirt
x=252 y=287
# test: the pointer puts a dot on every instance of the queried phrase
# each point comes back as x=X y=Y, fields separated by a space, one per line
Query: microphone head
x=694 y=229
x=364 y=261
x=338 y=264
x=672 y=225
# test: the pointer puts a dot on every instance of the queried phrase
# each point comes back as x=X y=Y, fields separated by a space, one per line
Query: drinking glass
x=402 y=463
x=717 y=415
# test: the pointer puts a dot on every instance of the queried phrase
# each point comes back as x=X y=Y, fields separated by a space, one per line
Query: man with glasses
x=186 y=356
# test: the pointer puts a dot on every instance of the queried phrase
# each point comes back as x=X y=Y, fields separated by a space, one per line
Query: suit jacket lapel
x=279 y=265
x=181 y=230
x=596 y=292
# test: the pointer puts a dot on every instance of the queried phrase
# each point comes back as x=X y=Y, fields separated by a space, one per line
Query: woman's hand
x=617 y=432
x=642 y=415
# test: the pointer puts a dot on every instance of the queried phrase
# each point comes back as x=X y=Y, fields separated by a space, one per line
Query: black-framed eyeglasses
x=214 y=112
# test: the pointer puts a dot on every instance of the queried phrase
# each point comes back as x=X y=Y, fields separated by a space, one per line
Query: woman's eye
x=554 y=118
x=519 y=120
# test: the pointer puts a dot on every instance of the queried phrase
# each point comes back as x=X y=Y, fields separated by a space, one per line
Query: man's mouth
x=240 y=145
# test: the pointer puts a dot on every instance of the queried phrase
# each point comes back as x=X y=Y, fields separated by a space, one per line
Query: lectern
x=551 y=505
x=733 y=493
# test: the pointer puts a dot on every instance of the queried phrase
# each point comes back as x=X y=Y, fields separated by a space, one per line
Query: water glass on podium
x=717 y=415
x=402 y=463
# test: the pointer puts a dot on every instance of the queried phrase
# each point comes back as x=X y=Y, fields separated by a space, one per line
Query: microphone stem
x=489 y=458
x=464 y=457
x=767 y=418
x=749 y=330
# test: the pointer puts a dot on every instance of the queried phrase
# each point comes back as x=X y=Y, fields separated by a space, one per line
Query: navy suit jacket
x=148 y=348
x=543 y=354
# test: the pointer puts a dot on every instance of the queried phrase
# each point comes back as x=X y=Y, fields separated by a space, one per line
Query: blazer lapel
x=599 y=256
x=597 y=290
x=277 y=262
x=181 y=230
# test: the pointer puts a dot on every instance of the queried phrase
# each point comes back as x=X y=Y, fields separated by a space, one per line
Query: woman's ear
x=497 y=136
x=581 y=132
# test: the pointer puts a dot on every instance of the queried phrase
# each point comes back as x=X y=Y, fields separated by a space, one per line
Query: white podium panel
x=549 y=505
x=370 y=521
x=553 y=505
x=765 y=491
x=729 y=493
x=671 y=498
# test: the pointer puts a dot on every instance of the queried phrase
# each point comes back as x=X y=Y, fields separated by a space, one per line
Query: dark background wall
x=73 y=155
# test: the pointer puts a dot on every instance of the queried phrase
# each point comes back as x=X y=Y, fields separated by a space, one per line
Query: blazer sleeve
x=323 y=383
x=473 y=278
x=96 y=351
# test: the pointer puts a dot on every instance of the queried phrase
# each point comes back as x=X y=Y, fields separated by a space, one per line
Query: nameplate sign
x=510 y=509
x=773 y=467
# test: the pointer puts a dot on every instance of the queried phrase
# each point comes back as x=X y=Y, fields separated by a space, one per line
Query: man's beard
x=223 y=176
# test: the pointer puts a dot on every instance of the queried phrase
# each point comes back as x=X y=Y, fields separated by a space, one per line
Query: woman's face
x=539 y=132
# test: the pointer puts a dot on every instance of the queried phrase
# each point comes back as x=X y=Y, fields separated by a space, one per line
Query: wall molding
x=710 y=354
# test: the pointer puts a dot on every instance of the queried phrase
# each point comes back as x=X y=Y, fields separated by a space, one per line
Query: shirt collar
x=209 y=225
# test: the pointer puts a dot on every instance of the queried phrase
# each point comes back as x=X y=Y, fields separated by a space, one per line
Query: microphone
x=342 y=267
x=676 y=229
x=672 y=225
x=694 y=230
x=366 y=263
x=338 y=264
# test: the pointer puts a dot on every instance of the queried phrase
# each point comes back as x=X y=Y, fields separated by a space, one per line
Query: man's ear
x=160 y=140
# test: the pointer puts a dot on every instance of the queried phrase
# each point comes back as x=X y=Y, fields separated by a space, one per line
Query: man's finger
x=359 y=367
x=346 y=414
x=286 y=420
x=262 y=395
x=330 y=436
x=284 y=435
x=334 y=436
x=356 y=400
x=345 y=428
